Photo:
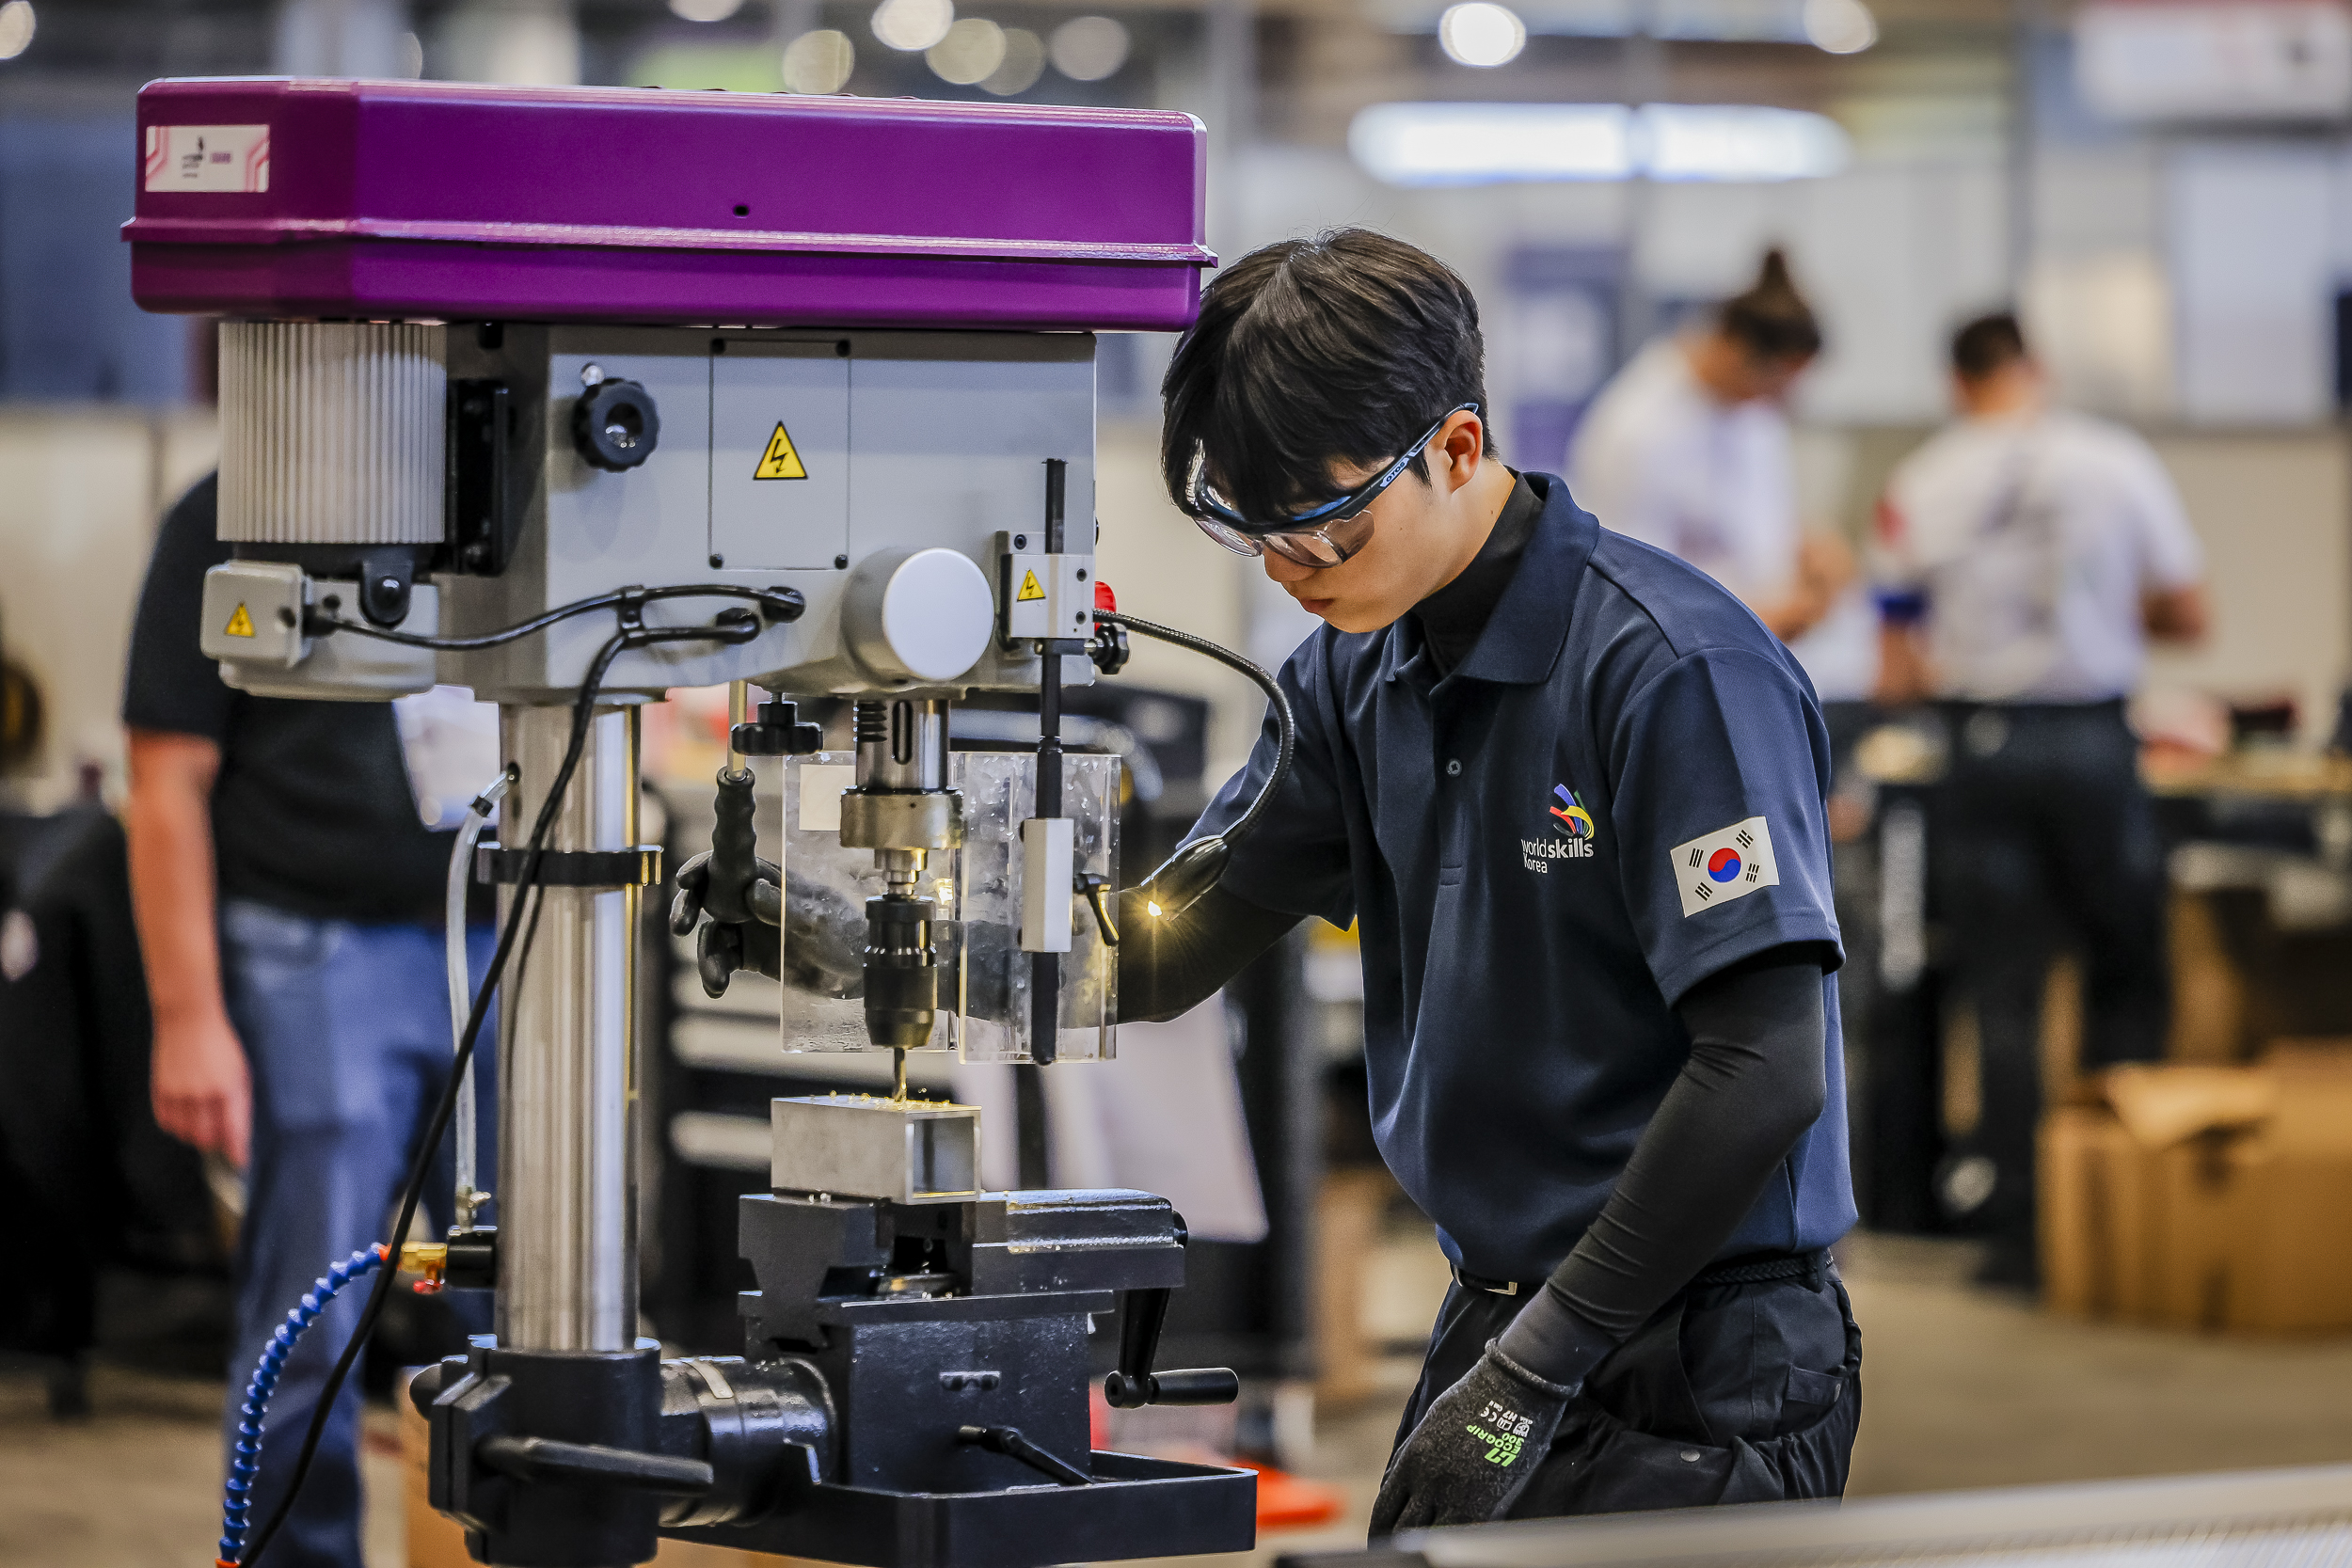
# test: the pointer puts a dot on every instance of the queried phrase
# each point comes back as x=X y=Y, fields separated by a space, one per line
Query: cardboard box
x=2094 y=1200
x=2205 y=1197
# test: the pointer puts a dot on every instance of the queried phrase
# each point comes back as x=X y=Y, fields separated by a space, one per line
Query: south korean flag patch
x=1728 y=863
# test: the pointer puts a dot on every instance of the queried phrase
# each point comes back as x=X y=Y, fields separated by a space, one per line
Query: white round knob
x=923 y=615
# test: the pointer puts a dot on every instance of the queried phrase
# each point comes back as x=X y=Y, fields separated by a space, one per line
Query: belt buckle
x=1469 y=1281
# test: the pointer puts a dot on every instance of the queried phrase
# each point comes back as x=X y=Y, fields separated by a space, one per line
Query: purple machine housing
x=402 y=200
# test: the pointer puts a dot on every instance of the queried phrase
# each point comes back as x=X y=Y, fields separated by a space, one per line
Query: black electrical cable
x=783 y=604
x=1286 y=723
x=421 y=1163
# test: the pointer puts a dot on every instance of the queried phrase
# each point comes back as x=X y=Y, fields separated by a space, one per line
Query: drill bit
x=899 y=1076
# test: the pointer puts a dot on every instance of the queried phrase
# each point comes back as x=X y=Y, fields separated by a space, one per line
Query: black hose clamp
x=583 y=869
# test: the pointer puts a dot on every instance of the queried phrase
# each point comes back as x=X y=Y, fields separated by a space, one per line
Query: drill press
x=575 y=396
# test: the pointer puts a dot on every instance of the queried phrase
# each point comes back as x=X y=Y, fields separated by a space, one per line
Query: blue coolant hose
x=238 y=1501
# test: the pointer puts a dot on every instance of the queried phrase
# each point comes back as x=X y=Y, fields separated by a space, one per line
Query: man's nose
x=1281 y=568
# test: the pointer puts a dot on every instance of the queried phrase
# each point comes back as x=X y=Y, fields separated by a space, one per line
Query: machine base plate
x=1136 y=1507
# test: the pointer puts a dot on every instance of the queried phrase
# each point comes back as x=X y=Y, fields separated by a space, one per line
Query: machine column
x=567 y=1082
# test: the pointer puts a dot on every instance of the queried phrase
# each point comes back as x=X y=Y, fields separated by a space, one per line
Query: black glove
x=727 y=946
x=1475 y=1447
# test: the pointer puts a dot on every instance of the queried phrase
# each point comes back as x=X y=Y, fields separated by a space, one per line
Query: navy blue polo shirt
x=1619 y=792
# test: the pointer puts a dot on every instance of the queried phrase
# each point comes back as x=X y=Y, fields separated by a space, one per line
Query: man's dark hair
x=1987 y=345
x=1770 y=320
x=1339 y=349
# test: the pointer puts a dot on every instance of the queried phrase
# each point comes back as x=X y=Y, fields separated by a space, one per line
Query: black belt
x=2105 y=707
x=1753 y=1268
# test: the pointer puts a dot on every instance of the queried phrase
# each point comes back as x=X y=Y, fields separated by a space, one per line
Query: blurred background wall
x=2167 y=190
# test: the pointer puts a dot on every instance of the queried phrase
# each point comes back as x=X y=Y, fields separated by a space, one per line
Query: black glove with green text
x=1474 y=1450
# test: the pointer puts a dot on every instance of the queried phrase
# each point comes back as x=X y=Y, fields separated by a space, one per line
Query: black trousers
x=2046 y=838
x=1729 y=1394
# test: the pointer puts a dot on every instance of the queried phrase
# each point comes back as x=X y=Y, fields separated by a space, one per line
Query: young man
x=2027 y=557
x=1571 y=794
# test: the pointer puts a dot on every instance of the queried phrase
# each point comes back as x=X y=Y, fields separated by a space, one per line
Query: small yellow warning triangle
x=780 y=461
x=1030 y=589
x=240 y=624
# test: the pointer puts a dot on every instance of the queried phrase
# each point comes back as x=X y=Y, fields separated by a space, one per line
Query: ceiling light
x=16 y=28
x=1481 y=33
x=1840 y=26
x=913 y=25
x=970 y=53
x=1486 y=144
x=1089 y=48
x=1737 y=142
x=818 y=63
x=705 y=10
x=1023 y=64
x=1481 y=144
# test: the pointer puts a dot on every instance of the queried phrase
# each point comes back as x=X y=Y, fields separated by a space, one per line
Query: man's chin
x=1348 y=617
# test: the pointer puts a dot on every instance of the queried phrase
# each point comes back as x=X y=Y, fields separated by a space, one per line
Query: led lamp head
x=1185 y=876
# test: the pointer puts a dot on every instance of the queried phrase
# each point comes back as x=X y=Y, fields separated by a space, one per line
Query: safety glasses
x=1322 y=537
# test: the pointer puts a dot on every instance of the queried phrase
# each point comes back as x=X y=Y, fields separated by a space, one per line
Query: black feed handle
x=593 y=1464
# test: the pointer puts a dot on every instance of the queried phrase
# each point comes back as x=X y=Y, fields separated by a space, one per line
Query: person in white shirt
x=1688 y=449
x=2027 y=556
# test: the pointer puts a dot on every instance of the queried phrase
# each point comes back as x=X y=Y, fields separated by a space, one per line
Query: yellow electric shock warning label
x=1030 y=588
x=780 y=461
x=240 y=624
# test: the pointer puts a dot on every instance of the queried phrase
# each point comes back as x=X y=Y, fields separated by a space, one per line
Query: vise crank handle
x=1136 y=1384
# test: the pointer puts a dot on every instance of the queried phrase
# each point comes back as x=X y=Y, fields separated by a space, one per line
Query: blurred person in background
x=1687 y=449
x=2027 y=555
x=289 y=900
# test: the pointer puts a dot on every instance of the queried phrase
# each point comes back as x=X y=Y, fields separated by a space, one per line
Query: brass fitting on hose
x=429 y=1259
x=467 y=1261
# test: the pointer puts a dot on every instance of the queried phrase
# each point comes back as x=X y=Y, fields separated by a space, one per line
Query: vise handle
x=1142 y=1314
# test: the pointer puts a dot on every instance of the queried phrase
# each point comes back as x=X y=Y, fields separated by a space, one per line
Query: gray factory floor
x=1962 y=1388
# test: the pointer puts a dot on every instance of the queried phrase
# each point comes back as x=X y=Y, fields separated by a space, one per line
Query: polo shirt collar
x=1530 y=623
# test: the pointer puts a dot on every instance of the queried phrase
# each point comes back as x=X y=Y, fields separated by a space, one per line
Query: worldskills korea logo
x=1569 y=817
x=1574 y=820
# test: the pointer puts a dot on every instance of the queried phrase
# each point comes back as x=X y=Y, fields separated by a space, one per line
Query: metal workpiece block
x=860 y=1146
x=878 y=819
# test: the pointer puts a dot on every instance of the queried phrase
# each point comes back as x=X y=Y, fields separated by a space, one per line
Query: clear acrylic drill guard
x=984 y=976
x=999 y=794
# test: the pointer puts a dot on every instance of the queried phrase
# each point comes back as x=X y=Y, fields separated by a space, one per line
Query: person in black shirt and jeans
x=289 y=899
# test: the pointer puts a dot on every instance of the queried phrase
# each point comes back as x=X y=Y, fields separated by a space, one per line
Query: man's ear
x=1463 y=443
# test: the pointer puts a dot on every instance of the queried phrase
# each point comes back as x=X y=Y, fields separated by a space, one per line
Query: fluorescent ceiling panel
x=1487 y=144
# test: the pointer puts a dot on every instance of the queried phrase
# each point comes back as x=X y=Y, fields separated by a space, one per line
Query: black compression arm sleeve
x=1754 y=1084
x=1169 y=967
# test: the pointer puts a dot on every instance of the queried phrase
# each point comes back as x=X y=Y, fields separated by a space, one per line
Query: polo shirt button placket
x=1453 y=768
